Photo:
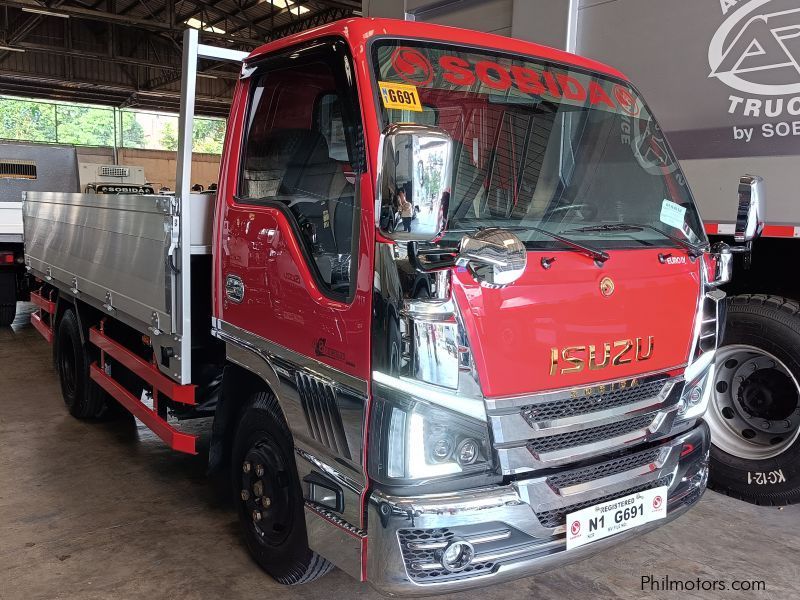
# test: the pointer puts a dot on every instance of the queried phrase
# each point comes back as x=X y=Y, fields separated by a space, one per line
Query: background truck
x=724 y=79
x=538 y=399
x=37 y=167
x=114 y=179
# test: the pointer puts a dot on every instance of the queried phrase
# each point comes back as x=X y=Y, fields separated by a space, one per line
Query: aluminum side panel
x=115 y=245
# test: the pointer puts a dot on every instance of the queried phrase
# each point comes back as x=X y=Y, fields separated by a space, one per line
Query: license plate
x=615 y=516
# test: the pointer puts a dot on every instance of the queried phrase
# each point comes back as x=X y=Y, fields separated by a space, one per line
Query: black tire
x=83 y=397
x=8 y=298
x=277 y=541
x=770 y=324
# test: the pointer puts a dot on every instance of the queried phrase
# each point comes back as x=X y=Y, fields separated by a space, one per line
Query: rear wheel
x=754 y=415
x=83 y=397
x=268 y=495
x=8 y=298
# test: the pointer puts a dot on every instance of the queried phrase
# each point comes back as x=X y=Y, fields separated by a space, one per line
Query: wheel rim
x=66 y=365
x=755 y=409
x=265 y=494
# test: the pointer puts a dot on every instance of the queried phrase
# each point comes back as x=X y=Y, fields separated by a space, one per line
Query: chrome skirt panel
x=518 y=529
x=324 y=408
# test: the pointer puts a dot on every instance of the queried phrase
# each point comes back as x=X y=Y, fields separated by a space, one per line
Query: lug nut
x=787 y=424
x=258 y=488
x=259 y=471
x=765 y=425
x=266 y=502
x=256 y=515
x=245 y=495
x=246 y=467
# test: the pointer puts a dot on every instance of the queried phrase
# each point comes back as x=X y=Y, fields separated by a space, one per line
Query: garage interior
x=104 y=509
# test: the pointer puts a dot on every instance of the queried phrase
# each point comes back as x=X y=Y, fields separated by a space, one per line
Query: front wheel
x=754 y=414
x=268 y=495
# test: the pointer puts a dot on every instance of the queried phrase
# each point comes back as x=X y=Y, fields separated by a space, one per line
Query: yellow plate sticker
x=400 y=95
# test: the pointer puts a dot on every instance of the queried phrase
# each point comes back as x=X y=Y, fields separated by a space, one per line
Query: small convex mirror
x=413 y=182
x=495 y=257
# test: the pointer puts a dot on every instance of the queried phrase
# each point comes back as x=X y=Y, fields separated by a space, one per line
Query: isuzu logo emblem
x=606 y=286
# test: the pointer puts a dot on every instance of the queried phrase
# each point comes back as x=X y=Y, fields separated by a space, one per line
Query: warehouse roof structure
x=127 y=53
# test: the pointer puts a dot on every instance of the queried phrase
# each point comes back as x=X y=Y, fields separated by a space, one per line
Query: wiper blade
x=690 y=248
x=598 y=255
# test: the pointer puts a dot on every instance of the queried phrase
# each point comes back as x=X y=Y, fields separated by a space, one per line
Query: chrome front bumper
x=518 y=529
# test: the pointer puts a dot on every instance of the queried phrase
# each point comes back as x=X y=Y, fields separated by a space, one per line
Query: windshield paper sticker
x=401 y=96
x=672 y=214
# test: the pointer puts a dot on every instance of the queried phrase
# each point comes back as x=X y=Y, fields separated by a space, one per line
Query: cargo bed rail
x=131 y=256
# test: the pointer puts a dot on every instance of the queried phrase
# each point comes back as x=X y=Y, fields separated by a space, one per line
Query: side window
x=300 y=154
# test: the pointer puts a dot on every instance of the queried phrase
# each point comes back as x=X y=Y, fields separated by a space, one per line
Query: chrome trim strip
x=511 y=404
x=528 y=549
x=521 y=459
x=267 y=349
x=511 y=430
x=337 y=476
x=472 y=539
x=605 y=482
x=489 y=537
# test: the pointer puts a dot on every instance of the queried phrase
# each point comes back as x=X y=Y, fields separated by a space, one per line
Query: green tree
x=208 y=135
x=85 y=125
x=132 y=131
x=26 y=120
x=169 y=138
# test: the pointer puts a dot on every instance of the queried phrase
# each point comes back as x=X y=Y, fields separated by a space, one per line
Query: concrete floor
x=103 y=510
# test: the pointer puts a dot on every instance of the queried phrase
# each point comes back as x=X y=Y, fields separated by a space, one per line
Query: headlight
x=413 y=440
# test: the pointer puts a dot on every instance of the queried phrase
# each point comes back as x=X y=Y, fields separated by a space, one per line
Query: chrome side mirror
x=750 y=212
x=495 y=257
x=413 y=186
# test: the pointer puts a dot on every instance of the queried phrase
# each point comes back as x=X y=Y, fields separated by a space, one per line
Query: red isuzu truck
x=453 y=326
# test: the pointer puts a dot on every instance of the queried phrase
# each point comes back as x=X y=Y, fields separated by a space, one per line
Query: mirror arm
x=746 y=247
x=415 y=253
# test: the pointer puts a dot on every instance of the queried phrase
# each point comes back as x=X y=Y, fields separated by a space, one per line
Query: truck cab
x=453 y=316
x=558 y=355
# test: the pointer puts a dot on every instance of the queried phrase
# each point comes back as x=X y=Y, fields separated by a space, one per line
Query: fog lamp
x=468 y=452
x=457 y=555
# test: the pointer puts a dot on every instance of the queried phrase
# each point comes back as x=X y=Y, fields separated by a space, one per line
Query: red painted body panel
x=282 y=300
x=43 y=328
x=358 y=31
x=512 y=330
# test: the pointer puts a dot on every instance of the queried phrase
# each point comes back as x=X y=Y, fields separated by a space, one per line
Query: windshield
x=537 y=147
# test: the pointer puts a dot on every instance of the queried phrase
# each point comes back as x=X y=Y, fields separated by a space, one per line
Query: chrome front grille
x=583 y=403
x=608 y=468
x=551 y=429
x=558 y=516
x=589 y=436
